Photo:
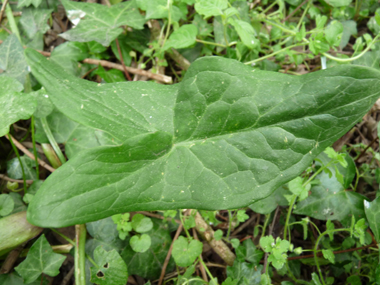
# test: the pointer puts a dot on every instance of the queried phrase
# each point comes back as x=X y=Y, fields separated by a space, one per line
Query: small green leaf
x=372 y=211
x=330 y=227
x=297 y=188
x=182 y=38
x=111 y=269
x=148 y=264
x=185 y=253
x=110 y=76
x=14 y=105
x=95 y=22
x=12 y=59
x=359 y=230
x=6 y=204
x=267 y=243
x=140 y=243
x=235 y=243
x=339 y=3
x=377 y=17
x=218 y=234
x=333 y=33
x=209 y=8
x=40 y=259
x=246 y=33
x=141 y=224
x=329 y=255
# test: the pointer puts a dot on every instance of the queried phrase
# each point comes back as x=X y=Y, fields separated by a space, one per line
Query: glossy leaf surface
x=95 y=22
x=222 y=138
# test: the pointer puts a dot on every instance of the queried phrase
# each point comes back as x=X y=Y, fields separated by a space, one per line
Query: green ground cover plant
x=189 y=142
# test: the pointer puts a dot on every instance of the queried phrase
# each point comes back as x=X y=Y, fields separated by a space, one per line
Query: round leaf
x=140 y=243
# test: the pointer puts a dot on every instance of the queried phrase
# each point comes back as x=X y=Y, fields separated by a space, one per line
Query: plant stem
x=229 y=224
x=210 y=43
x=267 y=218
x=288 y=216
x=316 y=249
x=19 y=160
x=169 y=4
x=52 y=140
x=51 y=155
x=69 y=240
x=35 y=149
x=12 y=22
x=80 y=255
x=274 y=53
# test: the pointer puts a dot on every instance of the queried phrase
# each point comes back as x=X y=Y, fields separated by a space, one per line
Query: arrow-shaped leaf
x=225 y=136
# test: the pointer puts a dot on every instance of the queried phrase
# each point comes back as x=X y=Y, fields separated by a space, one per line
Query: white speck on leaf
x=366 y=204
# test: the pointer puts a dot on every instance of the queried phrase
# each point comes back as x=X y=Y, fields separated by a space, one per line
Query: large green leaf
x=14 y=105
x=225 y=136
x=35 y=20
x=95 y=22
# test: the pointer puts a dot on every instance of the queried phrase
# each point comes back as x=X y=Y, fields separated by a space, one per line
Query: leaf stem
x=293 y=201
x=80 y=254
x=316 y=249
x=229 y=224
x=52 y=140
x=19 y=160
x=210 y=43
x=12 y=22
x=169 y=2
x=34 y=148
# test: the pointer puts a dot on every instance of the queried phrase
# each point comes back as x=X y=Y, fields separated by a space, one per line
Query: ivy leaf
x=222 y=138
x=329 y=201
x=182 y=38
x=12 y=60
x=111 y=270
x=6 y=204
x=40 y=259
x=68 y=54
x=14 y=168
x=95 y=22
x=26 y=3
x=184 y=252
x=44 y=105
x=14 y=105
x=245 y=272
x=372 y=210
x=34 y=20
x=209 y=8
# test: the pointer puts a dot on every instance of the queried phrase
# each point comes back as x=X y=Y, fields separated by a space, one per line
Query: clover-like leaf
x=111 y=269
x=184 y=252
x=95 y=22
x=40 y=259
x=224 y=137
x=140 y=243
x=141 y=224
